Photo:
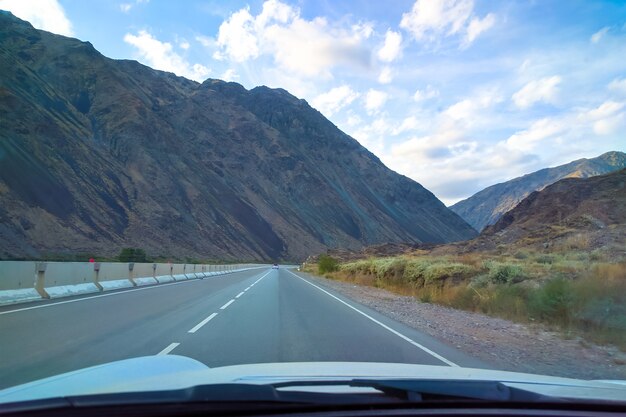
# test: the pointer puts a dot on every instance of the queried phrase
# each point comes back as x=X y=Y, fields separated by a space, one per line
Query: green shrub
x=132 y=255
x=545 y=259
x=480 y=281
x=501 y=273
x=390 y=268
x=441 y=271
x=553 y=301
x=327 y=264
x=414 y=271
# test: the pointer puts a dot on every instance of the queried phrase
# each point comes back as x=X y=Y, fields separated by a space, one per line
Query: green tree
x=132 y=255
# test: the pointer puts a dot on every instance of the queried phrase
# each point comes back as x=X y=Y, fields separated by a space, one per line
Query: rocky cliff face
x=97 y=154
x=487 y=206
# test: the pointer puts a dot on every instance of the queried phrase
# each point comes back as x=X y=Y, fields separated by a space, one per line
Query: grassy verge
x=575 y=292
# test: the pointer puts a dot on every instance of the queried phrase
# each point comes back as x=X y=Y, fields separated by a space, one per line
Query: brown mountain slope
x=98 y=154
x=487 y=206
x=584 y=212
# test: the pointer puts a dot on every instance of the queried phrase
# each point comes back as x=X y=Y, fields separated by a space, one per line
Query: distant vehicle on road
x=275 y=266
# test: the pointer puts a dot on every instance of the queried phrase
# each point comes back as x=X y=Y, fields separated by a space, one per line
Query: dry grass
x=566 y=290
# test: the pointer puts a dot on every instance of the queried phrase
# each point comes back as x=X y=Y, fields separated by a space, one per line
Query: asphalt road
x=261 y=315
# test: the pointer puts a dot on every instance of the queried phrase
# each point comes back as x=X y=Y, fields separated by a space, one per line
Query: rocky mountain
x=98 y=154
x=487 y=206
x=586 y=213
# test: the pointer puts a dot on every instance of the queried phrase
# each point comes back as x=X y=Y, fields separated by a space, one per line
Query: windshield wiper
x=417 y=390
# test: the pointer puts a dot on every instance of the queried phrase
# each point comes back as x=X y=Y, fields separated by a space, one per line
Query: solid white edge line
x=408 y=339
x=239 y=295
x=102 y=295
x=168 y=349
x=227 y=304
x=202 y=323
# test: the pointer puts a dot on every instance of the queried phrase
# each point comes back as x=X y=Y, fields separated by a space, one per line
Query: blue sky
x=456 y=94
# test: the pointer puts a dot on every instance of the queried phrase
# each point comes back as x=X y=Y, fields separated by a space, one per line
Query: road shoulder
x=507 y=345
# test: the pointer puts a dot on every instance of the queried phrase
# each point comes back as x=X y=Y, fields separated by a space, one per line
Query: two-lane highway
x=255 y=316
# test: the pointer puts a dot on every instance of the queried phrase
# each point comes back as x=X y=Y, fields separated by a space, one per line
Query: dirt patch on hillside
x=507 y=345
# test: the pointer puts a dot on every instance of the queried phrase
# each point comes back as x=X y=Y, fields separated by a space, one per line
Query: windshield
x=416 y=182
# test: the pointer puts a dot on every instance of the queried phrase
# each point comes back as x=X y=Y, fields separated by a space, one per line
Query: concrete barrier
x=69 y=278
x=17 y=282
x=112 y=275
x=22 y=281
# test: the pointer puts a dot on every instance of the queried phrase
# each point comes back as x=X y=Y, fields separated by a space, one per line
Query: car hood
x=171 y=372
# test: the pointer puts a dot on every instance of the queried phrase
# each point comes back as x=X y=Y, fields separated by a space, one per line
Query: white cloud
x=334 y=100
x=236 y=37
x=426 y=94
x=538 y=131
x=42 y=14
x=125 y=7
x=161 y=56
x=408 y=124
x=429 y=20
x=392 y=48
x=206 y=41
x=385 y=76
x=374 y=100
x=606 y=119
x=354 y=120
x=470 y=111
x=618 y=84
x=184 y=45
x=229 y=75
x=310 y=48
x=596 y=37
x=544 y=89
x=478 y=26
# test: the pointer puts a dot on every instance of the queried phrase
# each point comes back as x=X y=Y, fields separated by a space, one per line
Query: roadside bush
x=326 y=264
x=507 y=301
x=501 y=273
x=552 y=302
x=545 y=259
x=390 y=269
x=132 y=255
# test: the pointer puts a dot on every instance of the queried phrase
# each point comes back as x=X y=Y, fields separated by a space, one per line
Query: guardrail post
x=154 y=266
x=131 y=266
x=96 y=275
x=172 y=271
x=40 y=274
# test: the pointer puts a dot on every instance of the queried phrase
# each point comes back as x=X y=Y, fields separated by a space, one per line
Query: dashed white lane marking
x=168 y=349
x=202 y=323
x=239 y=295
x=247 y=289
x=227 y=304
x=408 y=339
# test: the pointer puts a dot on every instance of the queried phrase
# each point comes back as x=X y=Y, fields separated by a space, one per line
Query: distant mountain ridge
x=487 y=206
x=98 y=154
x=588 y=213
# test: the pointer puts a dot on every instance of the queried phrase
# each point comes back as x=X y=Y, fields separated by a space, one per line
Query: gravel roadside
x=505 y=344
